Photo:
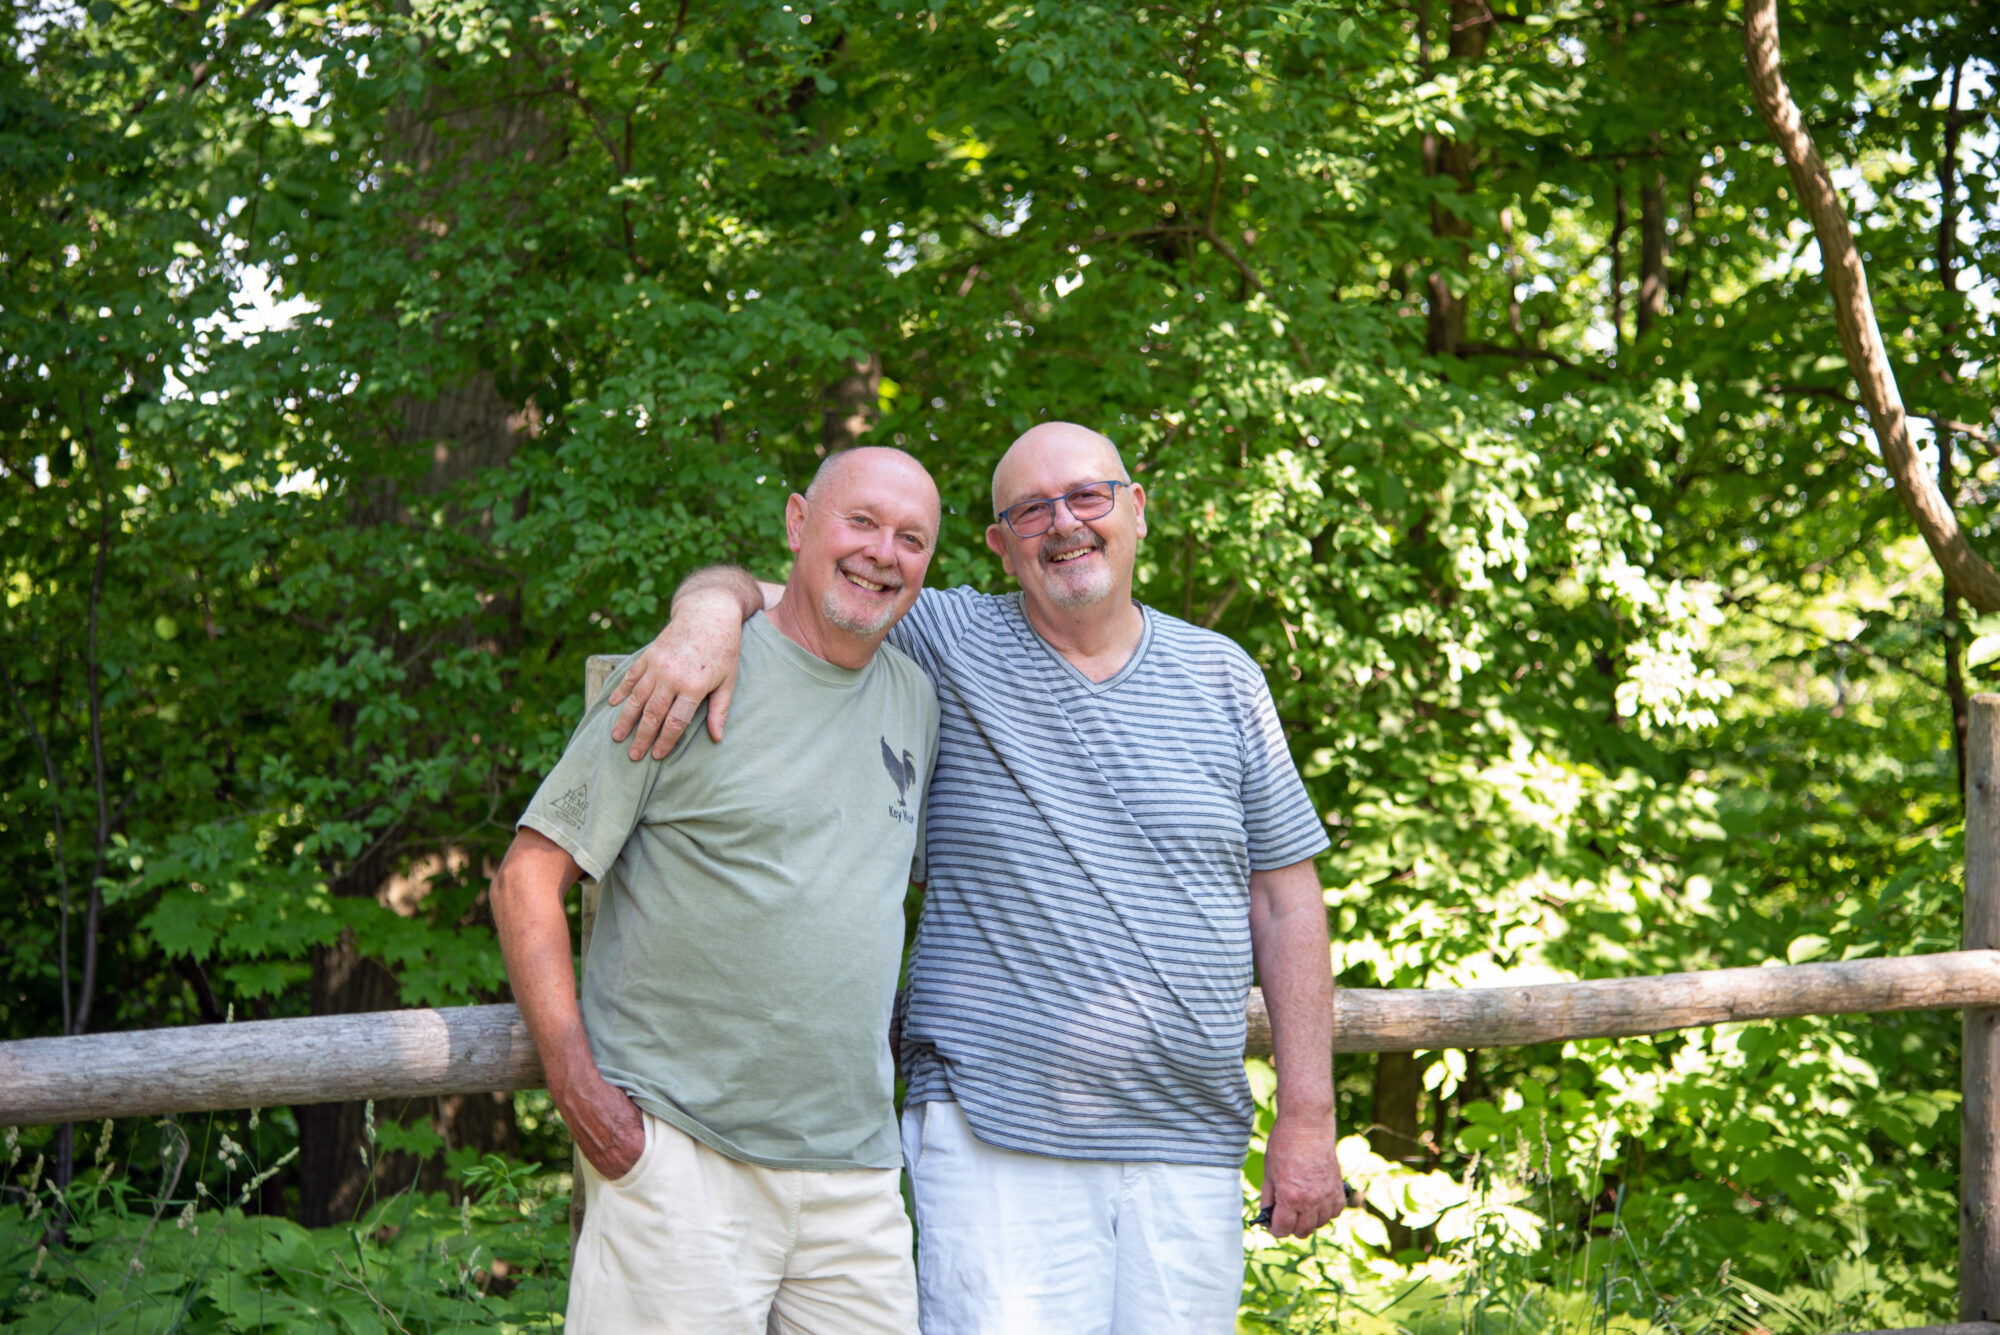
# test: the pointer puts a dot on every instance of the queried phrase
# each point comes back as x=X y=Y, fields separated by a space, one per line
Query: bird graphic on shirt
x=903 y=771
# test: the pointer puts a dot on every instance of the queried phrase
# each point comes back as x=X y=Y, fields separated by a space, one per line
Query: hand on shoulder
x=693 y=659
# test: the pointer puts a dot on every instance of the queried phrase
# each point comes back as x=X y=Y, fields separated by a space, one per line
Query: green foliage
x=1603 y=651
x=496 y=1258
x=1555 y=1224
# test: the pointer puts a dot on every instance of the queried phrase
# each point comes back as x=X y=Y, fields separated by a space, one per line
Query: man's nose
x=881 y=548
x=1065 y=521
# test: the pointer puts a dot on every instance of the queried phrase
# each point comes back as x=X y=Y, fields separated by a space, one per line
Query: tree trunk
x=1511 y=267
x=465 y=429
x=853 y=404
x=1947 y=268
x=1617 y=266
x=1393 y=1135
x=1954 y=656
x=1965 y=571
x=1652 y=246
x=1471 y=29
x=76 y=1018
x=333 y=1177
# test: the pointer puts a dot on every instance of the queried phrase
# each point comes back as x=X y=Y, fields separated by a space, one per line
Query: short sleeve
x=934 y=622
x=592 y=800
x=1278 y=817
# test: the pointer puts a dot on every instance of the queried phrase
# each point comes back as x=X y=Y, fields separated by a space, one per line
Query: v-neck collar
x=1076 y=674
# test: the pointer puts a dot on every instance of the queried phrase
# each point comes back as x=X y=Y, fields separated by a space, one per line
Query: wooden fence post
x=1979 y=1117
x=596 y=671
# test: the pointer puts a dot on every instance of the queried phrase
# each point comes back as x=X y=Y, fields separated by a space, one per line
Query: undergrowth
x=1513 y=1248
x=1509 y=1249
x=109 y=1256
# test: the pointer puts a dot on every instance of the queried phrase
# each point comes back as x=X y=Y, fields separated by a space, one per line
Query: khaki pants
x=692 y=1242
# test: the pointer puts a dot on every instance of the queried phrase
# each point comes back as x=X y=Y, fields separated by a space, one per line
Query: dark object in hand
x=1263 y=1219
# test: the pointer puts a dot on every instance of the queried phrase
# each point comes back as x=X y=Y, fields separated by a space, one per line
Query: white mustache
x=887 y=577
x=1050 y=549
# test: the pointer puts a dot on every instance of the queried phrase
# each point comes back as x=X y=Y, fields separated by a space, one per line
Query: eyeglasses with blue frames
x=1031 y=519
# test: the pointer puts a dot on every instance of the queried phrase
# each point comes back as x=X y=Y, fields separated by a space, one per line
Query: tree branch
x=673 y=42
x=1964 y=570
x=94 y=897
x=1530 y=355
x=1978 y=433
x=1826 y=642
x=1250 y=276
x=200 y=72
x=205 y=999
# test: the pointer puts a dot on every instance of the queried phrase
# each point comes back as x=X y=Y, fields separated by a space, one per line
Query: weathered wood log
x=1404 y=1020
x=266 y=1063
x=1979 y=1114
x=399 y=1054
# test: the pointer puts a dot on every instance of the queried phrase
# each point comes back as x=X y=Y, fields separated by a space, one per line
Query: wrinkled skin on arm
x=527 y=903
x=692 y=659
x=1302 y=1180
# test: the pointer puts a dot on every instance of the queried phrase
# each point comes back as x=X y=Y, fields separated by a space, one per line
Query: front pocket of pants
x=631 y=1174
x=914 y=1132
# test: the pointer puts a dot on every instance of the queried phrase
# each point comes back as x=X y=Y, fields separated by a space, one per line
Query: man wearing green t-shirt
x=727 y=1073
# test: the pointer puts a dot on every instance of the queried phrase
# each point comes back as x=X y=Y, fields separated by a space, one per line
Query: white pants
x=1024 y=1244
x=691 y=1242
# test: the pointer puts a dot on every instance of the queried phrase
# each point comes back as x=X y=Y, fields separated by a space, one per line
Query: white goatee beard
x=1072 y=594
x=838 y=615
x=853 y=623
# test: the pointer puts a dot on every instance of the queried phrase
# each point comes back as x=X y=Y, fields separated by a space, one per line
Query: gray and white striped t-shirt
x=1083 y=956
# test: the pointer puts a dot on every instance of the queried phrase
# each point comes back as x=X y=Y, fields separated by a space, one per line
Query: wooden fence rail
x=471 y=1049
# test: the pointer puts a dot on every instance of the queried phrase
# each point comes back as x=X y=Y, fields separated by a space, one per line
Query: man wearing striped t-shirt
x=1116 y=834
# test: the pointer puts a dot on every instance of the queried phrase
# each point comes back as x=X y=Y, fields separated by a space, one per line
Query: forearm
x=750 y=594
x=535 y=946
x=1302 y=1182
x=544 y=984
x=1298 y=994
x=1289 y=942
x=534 y=941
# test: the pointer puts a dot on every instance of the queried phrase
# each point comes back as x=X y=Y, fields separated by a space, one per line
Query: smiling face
x=863 y=535
x=1079 y=566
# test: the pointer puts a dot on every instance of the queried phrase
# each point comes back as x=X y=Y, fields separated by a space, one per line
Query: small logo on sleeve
x=903 y=770
x=573 y=805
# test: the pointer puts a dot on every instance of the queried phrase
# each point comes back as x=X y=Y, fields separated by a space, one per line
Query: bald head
x=1075 y=448
x=883 y=462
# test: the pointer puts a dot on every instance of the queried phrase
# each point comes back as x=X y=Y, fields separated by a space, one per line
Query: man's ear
x=795 y=521
x=1139 y=506
x=996 y=540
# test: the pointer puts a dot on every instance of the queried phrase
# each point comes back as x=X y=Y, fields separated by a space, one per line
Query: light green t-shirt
x=750 y=919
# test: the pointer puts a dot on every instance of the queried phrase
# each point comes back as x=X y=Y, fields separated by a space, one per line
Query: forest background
x=365 y=367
